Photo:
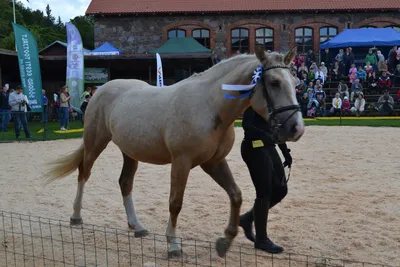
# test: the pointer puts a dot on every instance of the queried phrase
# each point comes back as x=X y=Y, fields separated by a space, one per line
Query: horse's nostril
x=293 y=130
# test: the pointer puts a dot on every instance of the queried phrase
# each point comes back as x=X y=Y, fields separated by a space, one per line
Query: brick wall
x=138 y=34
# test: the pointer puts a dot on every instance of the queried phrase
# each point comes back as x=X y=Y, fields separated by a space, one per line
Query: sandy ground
x=343 y=200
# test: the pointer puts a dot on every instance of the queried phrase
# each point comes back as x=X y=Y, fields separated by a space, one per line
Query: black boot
x=246 y=222
x=261 y=207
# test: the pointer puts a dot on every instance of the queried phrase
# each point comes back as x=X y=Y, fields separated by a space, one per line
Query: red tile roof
x=208 y=6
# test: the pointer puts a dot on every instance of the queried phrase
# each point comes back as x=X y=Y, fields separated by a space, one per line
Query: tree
x=85 y=25
x=49 y=17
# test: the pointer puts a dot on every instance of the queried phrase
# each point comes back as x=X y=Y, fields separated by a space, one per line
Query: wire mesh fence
x=35 y=241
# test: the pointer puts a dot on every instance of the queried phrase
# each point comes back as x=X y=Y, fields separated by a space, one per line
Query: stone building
x=236 y=25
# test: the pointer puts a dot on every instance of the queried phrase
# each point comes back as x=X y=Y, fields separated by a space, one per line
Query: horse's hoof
x=76 y=221
x=174 y=254
x=141 y=233
x=222 y=246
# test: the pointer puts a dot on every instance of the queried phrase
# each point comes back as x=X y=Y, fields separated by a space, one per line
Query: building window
x=304 y=39
x=368 y=27
x=396 y=28
x=327 y=33
x=240 y=40
x=202 y=36
x=265 y=36
x=176 y=33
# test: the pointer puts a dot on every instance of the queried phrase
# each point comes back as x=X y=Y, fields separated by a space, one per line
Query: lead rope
x=287 y=180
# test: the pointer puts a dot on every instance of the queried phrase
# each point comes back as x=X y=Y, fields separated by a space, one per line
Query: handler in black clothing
x=268 y=176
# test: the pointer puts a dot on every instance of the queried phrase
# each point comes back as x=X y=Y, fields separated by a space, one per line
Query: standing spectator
x=45 y=113
x=381 y=58
x=348 y=60
x=5 y=115
x=361 y=74
x=343 y=89
x=371 y=58
x=336 y=105
x=18 y=103
x=84 y=106
x=356 y=88
x=339 y=58
x=392 y=58
x=310 y=58
x=327 y=58
x=358 y=105
x=385 y=104
x=56 y=104
x=384 y=82
x=64 y=108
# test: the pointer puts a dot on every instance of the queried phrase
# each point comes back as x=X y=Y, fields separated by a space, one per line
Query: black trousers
x=266 y=171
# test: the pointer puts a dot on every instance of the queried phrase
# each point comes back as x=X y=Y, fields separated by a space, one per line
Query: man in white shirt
x=17 y=101
x=319 y=75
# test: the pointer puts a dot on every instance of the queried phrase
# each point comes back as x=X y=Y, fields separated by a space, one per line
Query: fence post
x=44 y=126
x=340 y=117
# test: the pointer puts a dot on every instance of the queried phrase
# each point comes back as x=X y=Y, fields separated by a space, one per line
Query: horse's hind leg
x=180 y=169
x=126 y=183
x=92 y=150
x=221 y=173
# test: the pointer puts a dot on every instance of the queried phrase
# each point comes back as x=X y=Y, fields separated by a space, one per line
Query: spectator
x=385 y=104
x=319 y=76
x=303 y=104
x=353 y=68
x=383 y=67
x=311 y=75
x=45 y=109
x=94 y=89
x=305 y=78
x=368 y=68
x=339 y=58
x=327 y=57
x=5 y=114
x=381 y=58
x=372 y=81
x=317 y=85
x=324 y=69
x=384 y=82
x=300 y=90
x=356 y=88
x=310 y=58
x=299 y=59
x=353 y=75
x=84 y=106
x=371 y=57
x=348 y=60
x=320 y=96
x=359 y=105
x=392 y=58
x=398 y=96
x=321 y=92
x=343 y=89
x=361 y=74
x=64 y=108
x=335 y=71
x=302 y=70
x=56 y=103
x=346 y=106
x=18 y=104
x=336 y=105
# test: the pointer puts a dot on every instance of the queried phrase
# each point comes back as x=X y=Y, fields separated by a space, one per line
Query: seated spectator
x=321 y=108
x=372 y=81
x=303 y=104
x=320 y=91
x=324 y=69
x=319 y=76
x=359 y=105
x=361 y=74
x=353 y=68
x=384 y=82
x=313 y=67
x=398 y=96
x=371 y=58
x=311 y=74
x=317 y=85
x=305 y=78
x=368 y=68
x=343 y=89
x=302 y=70
x=346 y=106
x=356 y=88
x=385 y=104
x=336 y=105
x=300 y=90
x=352 y=75
x=311 y=86
x=335 y=71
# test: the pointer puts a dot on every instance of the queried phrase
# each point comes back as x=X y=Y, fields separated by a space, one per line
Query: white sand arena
x=343 y=200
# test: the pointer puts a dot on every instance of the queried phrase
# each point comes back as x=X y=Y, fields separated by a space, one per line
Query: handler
x=268 y=176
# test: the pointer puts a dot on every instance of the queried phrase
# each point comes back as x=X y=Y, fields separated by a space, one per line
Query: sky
x=66 y=9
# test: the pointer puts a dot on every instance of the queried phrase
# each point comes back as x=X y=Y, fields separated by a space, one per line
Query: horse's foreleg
x=126 y=183
x=221 y=173
x=179 y=174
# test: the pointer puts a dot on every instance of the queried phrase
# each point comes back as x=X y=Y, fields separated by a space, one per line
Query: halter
x=248 y=91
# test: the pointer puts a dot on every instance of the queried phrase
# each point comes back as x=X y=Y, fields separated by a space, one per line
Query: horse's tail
x=65 y=165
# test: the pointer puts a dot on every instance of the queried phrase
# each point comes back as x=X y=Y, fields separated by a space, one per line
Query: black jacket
x=4 y=101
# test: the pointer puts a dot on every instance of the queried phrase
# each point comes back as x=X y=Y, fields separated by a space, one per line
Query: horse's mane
x=236 y=61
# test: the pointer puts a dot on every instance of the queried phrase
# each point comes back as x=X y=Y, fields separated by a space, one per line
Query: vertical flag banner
x=75 y=66
x=160 y=79
x=29 y=67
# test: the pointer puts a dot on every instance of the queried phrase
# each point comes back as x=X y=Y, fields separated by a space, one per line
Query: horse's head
x=274 y=96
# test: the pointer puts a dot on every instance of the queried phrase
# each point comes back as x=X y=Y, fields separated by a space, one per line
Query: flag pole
x=15 y=21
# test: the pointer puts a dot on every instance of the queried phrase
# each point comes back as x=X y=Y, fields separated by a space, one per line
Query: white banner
x=160 y=79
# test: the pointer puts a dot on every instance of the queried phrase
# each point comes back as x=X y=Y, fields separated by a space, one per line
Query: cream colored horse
x=187 y=124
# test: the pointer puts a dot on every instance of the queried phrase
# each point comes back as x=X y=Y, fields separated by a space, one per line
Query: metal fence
x=34 y=241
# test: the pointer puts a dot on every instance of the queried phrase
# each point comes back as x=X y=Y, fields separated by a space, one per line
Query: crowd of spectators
x=375 y=75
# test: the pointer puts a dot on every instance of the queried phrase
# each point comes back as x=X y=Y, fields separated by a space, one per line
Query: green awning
x=181 y=45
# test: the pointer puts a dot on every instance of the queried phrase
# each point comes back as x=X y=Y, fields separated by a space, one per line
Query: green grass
x=34 y=127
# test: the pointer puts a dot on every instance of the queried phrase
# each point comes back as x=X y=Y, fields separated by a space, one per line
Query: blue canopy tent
x=364 y=37
x=106 y=49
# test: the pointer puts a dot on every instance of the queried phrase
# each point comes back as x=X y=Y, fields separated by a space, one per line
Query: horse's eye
x=274 y=83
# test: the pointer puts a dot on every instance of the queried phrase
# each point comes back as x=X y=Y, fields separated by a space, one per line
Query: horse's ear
x=290 y=55
x=260 y=52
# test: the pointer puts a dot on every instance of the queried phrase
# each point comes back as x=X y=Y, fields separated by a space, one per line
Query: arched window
x=202 y=36
x=368 y=27
x=327 y=33
x=176 y=33
x=240 y=40
x=265 y=36
x=394 y=27
x=304 y=39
